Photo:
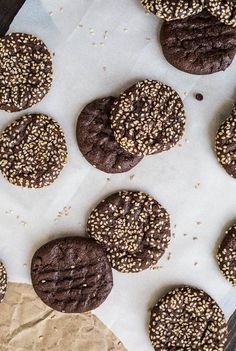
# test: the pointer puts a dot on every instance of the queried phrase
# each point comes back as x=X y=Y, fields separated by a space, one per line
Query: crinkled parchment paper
x=27 y=324
x=101 y=47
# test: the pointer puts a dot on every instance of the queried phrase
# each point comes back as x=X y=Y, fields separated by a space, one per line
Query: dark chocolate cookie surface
x=96 y=139
x=26 y=71
x=200 y=44
x=33 y=151
x=148 y=118
x=173 y=9
x=3 y=281
x=225 y=145
x=226 y=255
x=187 y=319
x=133 y=228
x=71 y=274
x=224 y=10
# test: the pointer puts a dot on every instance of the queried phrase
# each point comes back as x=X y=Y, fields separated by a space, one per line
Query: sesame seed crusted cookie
x=133 y=228
x=173 y=9
x=25 y=71
x=225 y=145
x=224 y=10
x=226 y=255
x=33 y=151
x=3 y=281
x=71 y=274
x=199 y=44
x=96 y=139
x=148 y=118
x=188 y=319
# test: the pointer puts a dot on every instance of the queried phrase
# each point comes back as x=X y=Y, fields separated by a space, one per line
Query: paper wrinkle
x=170 y=177
x=48 y=329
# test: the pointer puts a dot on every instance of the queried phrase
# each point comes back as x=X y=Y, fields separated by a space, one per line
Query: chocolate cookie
x=148 y=118
x=187 y=319
x=173 y=9
x=200 y=44
x=26 y=71
x=96 y=139
x=224 y=10
x=33 y=151
x=226 y=255
x=133 y=228
x=71 y=274
x=3 y=281
x=226 y=144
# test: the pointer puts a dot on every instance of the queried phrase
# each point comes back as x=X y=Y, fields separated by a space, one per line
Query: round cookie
x=226 y=144
x=3 y=281
x=33 y=151
x=71 y=274
x=26 y=71
x=173 y=9
x=200 y=44
x=226 y=255
x=133 y=228
x=148 y=118
x=96 y=139
x=187 y=319
x=224 y=10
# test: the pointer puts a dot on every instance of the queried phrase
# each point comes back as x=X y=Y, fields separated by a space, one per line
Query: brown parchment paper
x=26 y=323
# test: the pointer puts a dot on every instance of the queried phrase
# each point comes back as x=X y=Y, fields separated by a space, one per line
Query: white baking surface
x=187 y=180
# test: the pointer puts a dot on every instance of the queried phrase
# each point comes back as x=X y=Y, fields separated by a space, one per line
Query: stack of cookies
x=197 y=37
x=114 y=134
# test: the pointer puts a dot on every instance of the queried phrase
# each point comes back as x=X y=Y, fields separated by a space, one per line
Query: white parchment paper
x=101 y=47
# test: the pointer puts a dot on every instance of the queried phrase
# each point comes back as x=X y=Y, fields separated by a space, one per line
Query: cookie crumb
x=199 y=97
x=104 y=68
x=132 y=177
x=195 y=237
x=199 y=223
x=195 y=263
